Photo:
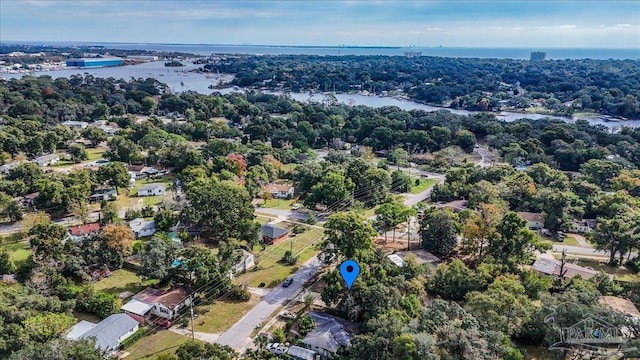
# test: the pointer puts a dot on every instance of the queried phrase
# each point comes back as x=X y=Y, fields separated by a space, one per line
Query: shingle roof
x=301 y=353
x=552 y=267
x=108 y=331
x=272 y=231
x=85 y=229
x=151 y=187
x=329 y=334
x=140 y=224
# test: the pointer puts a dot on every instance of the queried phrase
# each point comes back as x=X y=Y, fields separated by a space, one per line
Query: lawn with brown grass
x=221 y=315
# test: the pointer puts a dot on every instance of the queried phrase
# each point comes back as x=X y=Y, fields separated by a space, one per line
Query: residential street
x=238 y=336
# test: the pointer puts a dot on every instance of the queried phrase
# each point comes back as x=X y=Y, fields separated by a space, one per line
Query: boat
x=181 y=83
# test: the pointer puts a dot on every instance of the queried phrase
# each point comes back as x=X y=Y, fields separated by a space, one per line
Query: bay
x=181 y=79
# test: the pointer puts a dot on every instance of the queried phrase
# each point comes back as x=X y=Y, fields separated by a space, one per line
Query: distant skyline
x=525 y=24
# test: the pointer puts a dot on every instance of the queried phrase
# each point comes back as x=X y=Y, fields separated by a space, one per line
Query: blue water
x=462 y=52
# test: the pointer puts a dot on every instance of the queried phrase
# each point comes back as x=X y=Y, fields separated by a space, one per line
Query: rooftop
x=552 y=267
x=421 y=256
x=106 y=332
x=85 y=229
x=532 y=217
x=330 y=333
x=273 y=187
x=272 y=231
x=152 y=186
x=141 y=224
x=167 y=297
x=621 y=305
x=137 y=307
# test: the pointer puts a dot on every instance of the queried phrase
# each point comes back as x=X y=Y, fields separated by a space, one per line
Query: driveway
x=239 y=335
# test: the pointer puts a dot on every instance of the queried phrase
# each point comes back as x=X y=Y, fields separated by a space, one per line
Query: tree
x=118 y=240
x=390 y=215
x=79 y=209
x=9 y=208
x=346 y=234
x=559 y=208
x=399 y=157
x=94 y=134
x=400 y=182
x=465 y=139
x=618 y=234
x=196 y=351
x=6 y=263
x=122 y=149
x=601 y=172
x=114 y=174
x=454 y=280
x=333 y=189
x=109 y=213
x=30 y=220
x=504 y=306
x=47 y=243
x=439 y=233
x=165 y=219
x=512 y=243
x=59 y=349
x=157 y=259
x=221 y=209
x=78 y=153
x=478 y=229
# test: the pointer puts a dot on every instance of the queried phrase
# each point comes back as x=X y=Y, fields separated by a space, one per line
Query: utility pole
x=191 y=306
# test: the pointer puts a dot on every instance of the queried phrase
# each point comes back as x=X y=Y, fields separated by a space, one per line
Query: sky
x=448 y=23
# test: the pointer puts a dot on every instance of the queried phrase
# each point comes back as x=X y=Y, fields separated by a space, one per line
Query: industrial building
x=94 y=62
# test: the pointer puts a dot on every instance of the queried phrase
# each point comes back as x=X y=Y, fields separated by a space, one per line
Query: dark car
x=287 y=282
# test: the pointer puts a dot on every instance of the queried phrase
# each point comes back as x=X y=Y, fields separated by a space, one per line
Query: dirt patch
x=390 y=246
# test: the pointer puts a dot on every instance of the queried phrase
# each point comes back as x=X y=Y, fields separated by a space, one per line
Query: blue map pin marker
x=349 y=271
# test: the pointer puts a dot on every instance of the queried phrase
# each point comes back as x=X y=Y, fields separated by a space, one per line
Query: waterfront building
x=94 y=62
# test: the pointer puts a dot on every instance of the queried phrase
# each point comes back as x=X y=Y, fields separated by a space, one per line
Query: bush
x=133 y=338
x=306 y=325
x=278 y=336
x=289 y=259
x=240 y=293
x=634 y=264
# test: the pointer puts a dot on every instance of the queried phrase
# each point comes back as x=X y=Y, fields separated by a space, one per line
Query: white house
x=108 y=333
x=246 y=262
x=152 y=189
x=280 y=191
x=47 y=160
x=141 y=227
x=535 y=221
x=162 y=303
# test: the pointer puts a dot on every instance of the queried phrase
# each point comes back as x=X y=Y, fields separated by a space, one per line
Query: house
x=550 y=266
x=76 y=124
x=80 y=232
x=47 y=160
x=331 y=333
x=153 y=189
x=141 y=227
x=272 y=234
x=108 y=333
x=420 y=256
x=621 y=305
x=148 y=171
x=6 y=168
x=107 y=194
x=534 y=220
x=246 y=262
x=279 y=191
x=340 y=144
x=585 y=225
x=159 y=302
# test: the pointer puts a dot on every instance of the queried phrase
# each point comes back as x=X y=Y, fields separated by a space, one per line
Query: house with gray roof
x=6 y=168
x=46 y=160
x=108 y=333
x=331 y=333
x=141 y=227
x=272 y=234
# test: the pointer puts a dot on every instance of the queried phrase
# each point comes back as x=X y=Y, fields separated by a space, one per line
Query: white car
x=295 y=207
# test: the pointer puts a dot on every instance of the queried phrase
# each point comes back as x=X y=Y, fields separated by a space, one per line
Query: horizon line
x=88 y=42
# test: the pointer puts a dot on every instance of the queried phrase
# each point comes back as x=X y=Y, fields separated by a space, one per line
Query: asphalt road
x=239 y=335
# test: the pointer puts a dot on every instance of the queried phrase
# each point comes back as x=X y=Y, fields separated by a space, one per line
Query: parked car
x=162 y=322
x=295 y=207
x=288 y=315
x=287 y=282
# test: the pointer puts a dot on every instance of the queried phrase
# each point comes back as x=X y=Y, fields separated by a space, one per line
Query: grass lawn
x=262 y=219
x=221 y=315
x=19 y=251
x=287 y=168
x=424 y=185
x=283 y=204
x=95 y=153
x=569 y=240
x=151 y=200
x=271 y=271
x=161 y=342
x=620 y=273
x=122 y=280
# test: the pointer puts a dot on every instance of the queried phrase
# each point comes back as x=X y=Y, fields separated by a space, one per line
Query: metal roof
x=137 y=307
x=108 y=331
